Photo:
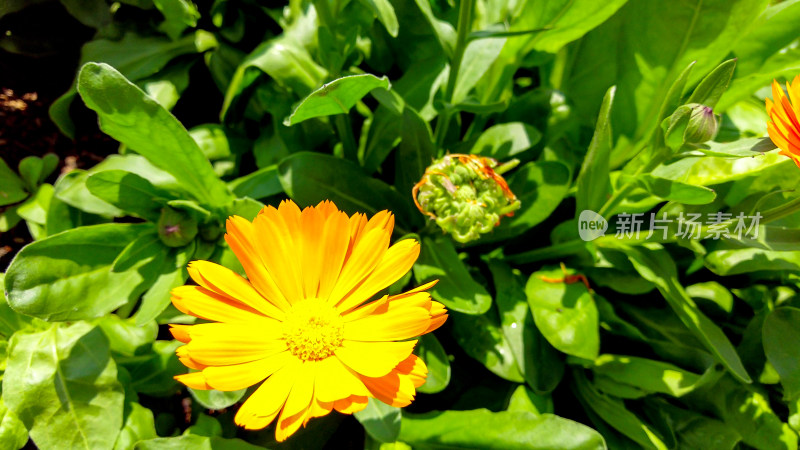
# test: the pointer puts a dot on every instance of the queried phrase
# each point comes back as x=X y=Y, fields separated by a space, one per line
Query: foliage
x=633 y=341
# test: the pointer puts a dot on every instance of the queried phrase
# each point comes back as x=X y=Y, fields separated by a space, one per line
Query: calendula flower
x=784 y=114
x=300 y=323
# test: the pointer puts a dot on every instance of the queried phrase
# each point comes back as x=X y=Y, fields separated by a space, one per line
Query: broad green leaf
x=336 y=97
x=10 y=320
x=178 y=15
x=135 y=56
x=13 y=435
x=384 y=11
x=128 y=192
x=696 y=431
x=435 y=358
x=283 y=60
x=505 y=430
x=711 y=170
x=262 y=183
x=745 y=260
x=382 y=136
x=30 y=170
x=195 y=442
x=781 y=329
x=309 y=178
x=540 y=187
x=137 y=121
x=71 y=189
x=218 y=142
x=415 y=152
x=167 y=86
x=536 y=360
x=173 y=274
x=614 y=412
x=524 y=399
x=646 y=374
x=478 y=57
x=740 y=148
x=214 y=399
x=652 y=46
x=506 y=140
x=594 y=184
x=456 y=288
x=671 y=190
x=380 y=420
x=12 y=188
x=35 y=208
x=713 y=292
x=153 y=374
x=139 y=425
x=204 y=426
x=58 y=279
x=62 y=384
x=656 y=265
x=565 y=313
x=711 y=88
x=125 y=337
x=482 y=338
x=444 y=32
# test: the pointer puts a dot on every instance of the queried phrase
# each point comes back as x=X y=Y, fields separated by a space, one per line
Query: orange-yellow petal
x=351 y=405
x=229 y=283
x=398 y=387
x=275 y=242
x=362 y=261
x=240 y=376
x=336 y=381
x=263 y=406
x=194 y=380
x=374 y=359
x=205 y=304
x=389 y=325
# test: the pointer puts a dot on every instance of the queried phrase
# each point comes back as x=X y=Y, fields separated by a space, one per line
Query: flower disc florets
x=465 y=195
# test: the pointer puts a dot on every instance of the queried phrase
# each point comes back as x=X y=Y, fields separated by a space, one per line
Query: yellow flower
x=299 y=319
x=784 y=126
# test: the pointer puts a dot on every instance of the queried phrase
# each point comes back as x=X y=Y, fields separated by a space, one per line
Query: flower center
x=313 y=329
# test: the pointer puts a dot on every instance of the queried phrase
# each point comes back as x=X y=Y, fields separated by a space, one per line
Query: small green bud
x=702 y=125
x=465 y=195
x=176 y=228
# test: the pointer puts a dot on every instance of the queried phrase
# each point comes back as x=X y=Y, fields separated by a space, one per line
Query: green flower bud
x=702 y=125
x=176 y=228
x=465 y=195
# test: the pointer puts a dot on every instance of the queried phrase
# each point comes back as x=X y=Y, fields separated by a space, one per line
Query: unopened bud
x=176 y=228
x=702 y=125
x=465 y=195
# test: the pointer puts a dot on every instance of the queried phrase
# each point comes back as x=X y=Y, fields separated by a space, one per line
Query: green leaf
x=135 y=56
x=711 y=88
x=309 y=178
x=139 y=425
x=173 y=274
x=744 y=260
x=740 y=148
x=478 y=58
x=506 y=140
x=712 y=292
x=614 y=412
x=57 y=278
x=482 y=338
x=656 y=265
x=380 y=420
x=139 y=122
x=444 y=32
x=594 y=184
x=12 y=188
x=13 y=435
x=204 y=426
x=524 y=399
x=782 y=327
x=505 y=430
x=647 y=374
x=153 y=374
x=674 y=191
x=540 y=187
x=125 y=337
x=62 y=383
x=456 y=289
x=260 y=184
x=195 y=442
x=284 y=61
x=384 y=11
x=565 y=313
x=415 y=152
x=539 y=364
x=435 y=358
x=128 y=192
x=178 y=15
x=336 y=97
x=214 y=399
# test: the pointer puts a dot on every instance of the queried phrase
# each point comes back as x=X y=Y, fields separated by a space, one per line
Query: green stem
x=464 y=28
x=779 y=212
x=344 y=128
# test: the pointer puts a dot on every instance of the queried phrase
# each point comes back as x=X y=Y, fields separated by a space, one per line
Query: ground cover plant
x=605 y=192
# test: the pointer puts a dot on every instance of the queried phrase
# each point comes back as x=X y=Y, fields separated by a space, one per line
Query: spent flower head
x=465 y=195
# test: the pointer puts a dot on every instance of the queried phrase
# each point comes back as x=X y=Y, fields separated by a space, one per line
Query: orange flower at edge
x=299 y=321
x=784 y=114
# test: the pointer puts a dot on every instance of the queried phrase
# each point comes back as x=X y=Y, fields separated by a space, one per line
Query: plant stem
x=464 y=27
x=344 y=129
